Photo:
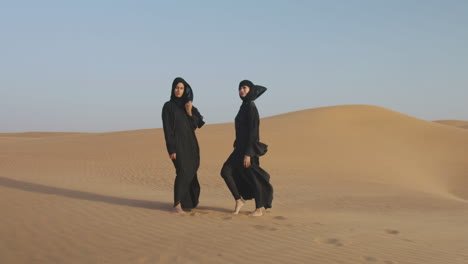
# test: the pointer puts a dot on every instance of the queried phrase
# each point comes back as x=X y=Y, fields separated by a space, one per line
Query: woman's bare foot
x=178 y=209
x=239 y=204
x=257 y=212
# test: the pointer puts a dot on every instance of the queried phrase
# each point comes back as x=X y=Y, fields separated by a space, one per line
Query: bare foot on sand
x=257 y=212
x=239 y=204
x=178 y=209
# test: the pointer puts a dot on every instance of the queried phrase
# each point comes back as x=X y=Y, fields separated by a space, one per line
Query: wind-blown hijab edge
x=255 y=91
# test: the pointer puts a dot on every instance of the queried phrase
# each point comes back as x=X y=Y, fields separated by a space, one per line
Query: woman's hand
x=188 y=108
x=246 y=161
x=172 y=156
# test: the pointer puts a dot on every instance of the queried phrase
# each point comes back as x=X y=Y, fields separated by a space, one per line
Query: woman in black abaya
x=180 y=119
x=241 y=172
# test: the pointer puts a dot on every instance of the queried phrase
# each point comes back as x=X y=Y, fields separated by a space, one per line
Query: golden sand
x=353 y=184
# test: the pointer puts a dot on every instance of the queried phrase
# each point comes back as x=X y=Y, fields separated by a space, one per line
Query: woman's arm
x=196 y=118
x=169 y=133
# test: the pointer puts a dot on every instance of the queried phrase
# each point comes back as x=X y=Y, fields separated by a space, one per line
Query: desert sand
x=353 y=184
x=455 y=123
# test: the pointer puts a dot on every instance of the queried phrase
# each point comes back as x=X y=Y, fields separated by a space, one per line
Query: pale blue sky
x=96 y=66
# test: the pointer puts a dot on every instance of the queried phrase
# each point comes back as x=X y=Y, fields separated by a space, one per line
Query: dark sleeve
x=168 y=125
x=196 y=118
x=253 y=122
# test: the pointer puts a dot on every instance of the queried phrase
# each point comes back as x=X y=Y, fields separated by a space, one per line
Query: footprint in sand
x=388 y=262
x=261 y=227
x=370 y=259
x=280 y=217
x=227 y=218
x=392 y=231
x=330 y=241
x=198 y=213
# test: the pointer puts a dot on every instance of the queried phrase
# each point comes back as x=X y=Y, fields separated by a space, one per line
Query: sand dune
x=353 y=184
x=39 y=134
x=455 y=123
x=15 y=137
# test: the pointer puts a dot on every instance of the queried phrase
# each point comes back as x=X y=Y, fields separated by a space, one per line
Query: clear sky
x=97 y=66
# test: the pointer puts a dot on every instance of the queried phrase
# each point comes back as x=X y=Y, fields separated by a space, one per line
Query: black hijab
x=255 y=91
x=187 y=96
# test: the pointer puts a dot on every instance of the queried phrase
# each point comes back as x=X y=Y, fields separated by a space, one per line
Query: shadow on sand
x=39 y=188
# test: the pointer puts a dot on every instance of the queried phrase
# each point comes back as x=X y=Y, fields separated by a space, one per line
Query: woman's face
x=179 y=90
x=244 y=90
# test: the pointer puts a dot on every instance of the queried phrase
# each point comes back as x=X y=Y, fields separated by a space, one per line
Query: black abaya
x=179 y=132
x=252 y=182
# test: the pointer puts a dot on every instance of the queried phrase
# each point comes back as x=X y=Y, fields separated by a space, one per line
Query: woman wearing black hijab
x=241 y=172
x=180 y=119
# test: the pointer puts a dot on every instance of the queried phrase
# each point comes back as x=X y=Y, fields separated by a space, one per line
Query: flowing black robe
x=179 y=132
x=252 y=182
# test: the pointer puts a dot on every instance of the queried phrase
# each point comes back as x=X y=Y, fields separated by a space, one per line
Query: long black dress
x=252 y=182
x=179 y=132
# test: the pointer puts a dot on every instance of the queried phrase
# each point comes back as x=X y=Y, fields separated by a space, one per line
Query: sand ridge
x=456 y=123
